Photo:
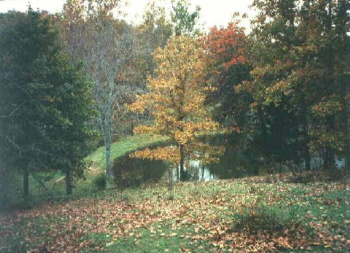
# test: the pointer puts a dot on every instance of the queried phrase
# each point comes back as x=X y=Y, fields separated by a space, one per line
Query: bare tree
x=104 y=45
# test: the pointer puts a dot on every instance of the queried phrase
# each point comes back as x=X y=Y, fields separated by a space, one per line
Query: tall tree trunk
x=106 y=125
x=203 y=172
x=108 y=161
x=108 y=145
x=266 y=151
x=177 y=171
x=329 y=154
x=307 y=156
x=279 y=136
x=305 y=135
x=132 y=127
x=182 y=162
x=69 y=182
x=26 y=183
x=330 y=64
x=347 y=124
x=328 y=158
x=170 y=177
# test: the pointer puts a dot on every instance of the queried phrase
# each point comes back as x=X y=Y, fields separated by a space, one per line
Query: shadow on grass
x=278 y=229
x=267 y=220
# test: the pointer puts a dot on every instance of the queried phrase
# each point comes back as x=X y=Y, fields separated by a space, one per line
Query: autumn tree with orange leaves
x=226 y=47
x=176 y=99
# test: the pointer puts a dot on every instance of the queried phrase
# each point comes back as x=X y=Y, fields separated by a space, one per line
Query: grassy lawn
x=245 y=215
x=124 y=146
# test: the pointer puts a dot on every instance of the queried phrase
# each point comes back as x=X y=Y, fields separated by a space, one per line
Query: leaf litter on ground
x=221 y=216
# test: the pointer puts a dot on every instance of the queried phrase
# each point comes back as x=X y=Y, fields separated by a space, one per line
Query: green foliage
x=183 y=20
x=26 y=43
x=46 y=100
x=154 y=32
x=297 y=51
x=100 y=181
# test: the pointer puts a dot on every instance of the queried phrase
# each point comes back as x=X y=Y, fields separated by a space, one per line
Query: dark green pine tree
x=45 y=101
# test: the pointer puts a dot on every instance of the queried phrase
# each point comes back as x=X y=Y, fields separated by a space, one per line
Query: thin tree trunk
x=132 y=128
x=266 y=151
x=330 y=121
x=347 y=144
x=170 y=178
x=108 y=144
x=26 y=183
x=202 y=172
x=347 y=122
x=329 y=157
x=305 y=134
x=69 y=182
x=182 y=161
x=307 y=156
x=177 y=170
x=108 y=161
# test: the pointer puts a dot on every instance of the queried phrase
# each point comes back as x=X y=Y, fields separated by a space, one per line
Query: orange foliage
x=226 y=45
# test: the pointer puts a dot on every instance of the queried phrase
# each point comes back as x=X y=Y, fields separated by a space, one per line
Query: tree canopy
x=176 y=100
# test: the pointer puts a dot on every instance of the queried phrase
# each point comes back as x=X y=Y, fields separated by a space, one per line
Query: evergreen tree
x=45 y=102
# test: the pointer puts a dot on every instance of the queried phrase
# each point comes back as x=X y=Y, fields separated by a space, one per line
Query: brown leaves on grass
x=223 y=215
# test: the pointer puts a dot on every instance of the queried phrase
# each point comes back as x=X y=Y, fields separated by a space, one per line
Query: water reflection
x=132 y=172
x=196 y=172
x=233 y=164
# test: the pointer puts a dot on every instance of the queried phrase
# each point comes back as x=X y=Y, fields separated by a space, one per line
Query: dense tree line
x=283 y=89
x=298 y=82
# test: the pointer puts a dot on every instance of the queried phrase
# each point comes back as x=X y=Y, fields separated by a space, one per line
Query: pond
x=233 y=164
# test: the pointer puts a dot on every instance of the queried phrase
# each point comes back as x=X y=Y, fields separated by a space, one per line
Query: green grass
x=56 y=185
x=124 y=146
x=160 y=238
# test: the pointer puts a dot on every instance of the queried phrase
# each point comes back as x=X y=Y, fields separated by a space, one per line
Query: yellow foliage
x=176 y=98
x=170 y=154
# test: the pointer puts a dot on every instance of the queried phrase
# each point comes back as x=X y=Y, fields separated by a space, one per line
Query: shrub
x=100 y=181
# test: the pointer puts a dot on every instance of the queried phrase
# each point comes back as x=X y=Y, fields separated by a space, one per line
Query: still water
x=233 y=164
